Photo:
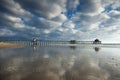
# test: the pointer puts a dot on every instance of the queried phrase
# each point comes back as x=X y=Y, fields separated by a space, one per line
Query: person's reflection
x=34 y=47
x=97 y=49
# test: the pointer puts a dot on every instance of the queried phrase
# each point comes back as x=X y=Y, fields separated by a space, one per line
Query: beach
x=9 y=45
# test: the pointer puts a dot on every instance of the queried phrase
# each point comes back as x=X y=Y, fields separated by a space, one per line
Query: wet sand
x=9 y=45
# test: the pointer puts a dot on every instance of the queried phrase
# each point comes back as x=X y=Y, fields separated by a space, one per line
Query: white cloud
x=13 y=19
x=60 y=18
x=46 y=31
x=49 y=23
x=18 y=25
x=69 y=24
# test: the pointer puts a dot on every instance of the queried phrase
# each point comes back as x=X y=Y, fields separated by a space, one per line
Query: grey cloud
x=113 y=4
x=6 y=32
x=61 y=18
x=3 y=20
x=91 y=7
x=114 y=14
x=41 y=7
x=12 y=8
x=72 y=4
x=11 y=14
x=87 y=22
x=113 y=21
x=13 y=23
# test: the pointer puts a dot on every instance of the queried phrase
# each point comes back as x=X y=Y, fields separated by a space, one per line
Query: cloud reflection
x=86 y=70
x=43 y=65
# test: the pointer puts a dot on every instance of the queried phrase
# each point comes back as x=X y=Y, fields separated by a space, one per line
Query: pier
x=47 y=42
x=50 y=43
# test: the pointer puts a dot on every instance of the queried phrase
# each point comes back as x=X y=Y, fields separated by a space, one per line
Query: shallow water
x=60 y=63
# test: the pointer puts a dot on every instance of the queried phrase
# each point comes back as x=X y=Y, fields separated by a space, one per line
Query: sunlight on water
x=60 y=63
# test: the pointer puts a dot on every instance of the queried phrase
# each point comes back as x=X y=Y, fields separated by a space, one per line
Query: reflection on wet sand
x=51 y=64
x=87 y=70
x=72 y=47
x=97 y=49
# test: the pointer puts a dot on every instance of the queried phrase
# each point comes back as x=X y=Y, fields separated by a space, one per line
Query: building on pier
x=72 y=41
x=96 y=41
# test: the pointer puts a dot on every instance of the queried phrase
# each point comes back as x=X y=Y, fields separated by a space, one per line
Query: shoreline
x=9 y=45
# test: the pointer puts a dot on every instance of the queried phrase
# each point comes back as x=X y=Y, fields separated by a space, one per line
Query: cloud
x=91 y=7
x=51 y=66
x=13 y=8
x=69 y=25
x=111 y=3
x=72 y=4
x=61 y=19
x=45 y=8
x=88 y=70
x=6 y=32
x=114 y=14
x=87 y=22
x=21 y=19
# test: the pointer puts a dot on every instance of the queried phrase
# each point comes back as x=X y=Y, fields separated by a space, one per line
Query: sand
x=9 y=45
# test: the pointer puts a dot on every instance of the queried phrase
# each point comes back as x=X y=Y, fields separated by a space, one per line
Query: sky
x=60 y=19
